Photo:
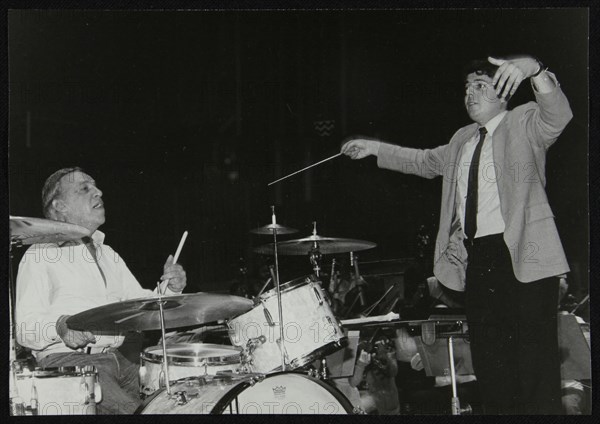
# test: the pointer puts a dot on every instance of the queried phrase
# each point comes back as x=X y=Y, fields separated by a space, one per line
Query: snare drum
x=310 y=327
x=279 y=393
x=185 y=360
x=59 y=391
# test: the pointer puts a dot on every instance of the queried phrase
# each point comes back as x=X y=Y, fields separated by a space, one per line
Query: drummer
x=57 y=280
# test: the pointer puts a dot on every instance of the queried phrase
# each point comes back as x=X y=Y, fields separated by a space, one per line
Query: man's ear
x=59 y=205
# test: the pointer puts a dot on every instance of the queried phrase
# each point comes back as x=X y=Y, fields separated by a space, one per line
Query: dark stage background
x=184 y=117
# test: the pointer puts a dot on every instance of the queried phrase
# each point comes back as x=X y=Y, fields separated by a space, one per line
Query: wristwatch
x=539 y=71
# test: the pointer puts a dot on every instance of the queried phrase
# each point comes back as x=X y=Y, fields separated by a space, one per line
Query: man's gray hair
x=51 y=189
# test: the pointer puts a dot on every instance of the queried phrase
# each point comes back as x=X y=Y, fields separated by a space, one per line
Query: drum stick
x=176 y=257
x=304 y=169
x=178 y=251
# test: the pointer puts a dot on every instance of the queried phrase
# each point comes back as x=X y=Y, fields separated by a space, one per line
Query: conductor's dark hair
x=479 y=67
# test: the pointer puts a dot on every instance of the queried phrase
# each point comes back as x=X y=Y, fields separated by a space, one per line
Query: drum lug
x=256 y=379
x=357 y=410
x=181 y=397
x=317 y=294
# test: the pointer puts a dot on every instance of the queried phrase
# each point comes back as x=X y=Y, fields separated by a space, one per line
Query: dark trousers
x=513 y=333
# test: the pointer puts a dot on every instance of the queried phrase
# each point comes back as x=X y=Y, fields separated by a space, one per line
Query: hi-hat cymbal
x=143 y=314
x=24 y=230
x=269 y=229
x=326 y=245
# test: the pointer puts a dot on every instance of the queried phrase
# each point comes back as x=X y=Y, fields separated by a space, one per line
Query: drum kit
x=274 y=338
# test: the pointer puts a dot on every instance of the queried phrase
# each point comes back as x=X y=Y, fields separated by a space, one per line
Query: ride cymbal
x=143 y=314
x=325 y=245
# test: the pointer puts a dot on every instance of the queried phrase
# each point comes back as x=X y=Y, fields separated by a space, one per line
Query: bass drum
x=278 y=393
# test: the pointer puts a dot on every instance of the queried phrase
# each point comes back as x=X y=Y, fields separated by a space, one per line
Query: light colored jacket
x=519 y=147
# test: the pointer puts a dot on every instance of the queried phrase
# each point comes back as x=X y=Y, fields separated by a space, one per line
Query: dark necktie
x=89 y=243
x=471 y=203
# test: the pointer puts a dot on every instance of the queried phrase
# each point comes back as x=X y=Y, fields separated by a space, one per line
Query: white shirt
x=63 y=279
x=489 y=215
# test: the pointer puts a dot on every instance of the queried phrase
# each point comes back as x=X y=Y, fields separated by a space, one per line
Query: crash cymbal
x=269 y=229
x=24 y=230
x=143 y=314
x=326 y=245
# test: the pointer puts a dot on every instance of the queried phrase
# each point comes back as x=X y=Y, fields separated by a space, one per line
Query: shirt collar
x=493 y=123
x=97 y=237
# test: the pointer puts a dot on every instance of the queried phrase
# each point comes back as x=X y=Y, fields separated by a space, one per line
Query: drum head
x=194 y=354
x=278 y=393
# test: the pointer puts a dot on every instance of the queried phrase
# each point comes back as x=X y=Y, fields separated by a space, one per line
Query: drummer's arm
x=132 y=288
x=35 y=321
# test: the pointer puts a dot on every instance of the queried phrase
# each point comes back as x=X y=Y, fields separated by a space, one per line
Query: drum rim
x=67 y=371
x=310 y=357
x=157 y=358
x=288 y=286
x=222 y=404
x=291 y=285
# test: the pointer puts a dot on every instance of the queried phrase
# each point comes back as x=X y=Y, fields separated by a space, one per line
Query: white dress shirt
x=64 y=279
x=489 y=215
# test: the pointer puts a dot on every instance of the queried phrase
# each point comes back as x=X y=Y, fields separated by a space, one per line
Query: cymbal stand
x=281 y=337
x=455 y=402
x=314 y=253
x=165 y=364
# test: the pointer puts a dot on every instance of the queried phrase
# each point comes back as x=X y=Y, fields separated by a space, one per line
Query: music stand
x=442 y=358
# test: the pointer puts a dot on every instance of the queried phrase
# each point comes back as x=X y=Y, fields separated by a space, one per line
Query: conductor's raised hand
x=175 y=274
x=360 y=147
x=511 y=72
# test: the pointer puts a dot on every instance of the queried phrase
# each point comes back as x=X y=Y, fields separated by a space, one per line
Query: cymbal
x=143 y=314
x=26 y=230
x=326 y=245
x=269 y=229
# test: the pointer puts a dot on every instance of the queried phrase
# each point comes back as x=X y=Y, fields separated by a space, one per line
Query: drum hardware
x=357 y=282
x=247 y=356
x=333 y=278
x=164 y=376
x=165 y=370
x=324 y=374
x=198 y=360
x=455 y=402
x=278 y=290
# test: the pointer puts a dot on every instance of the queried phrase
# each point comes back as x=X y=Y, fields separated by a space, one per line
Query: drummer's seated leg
x=114 y=376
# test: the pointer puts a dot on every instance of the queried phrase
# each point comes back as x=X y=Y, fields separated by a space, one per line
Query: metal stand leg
x=165 y=363
x=281 y=338
x=455 y=402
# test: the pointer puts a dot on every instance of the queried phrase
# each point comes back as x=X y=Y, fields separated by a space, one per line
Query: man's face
x=81 y=201
x=481 y=100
